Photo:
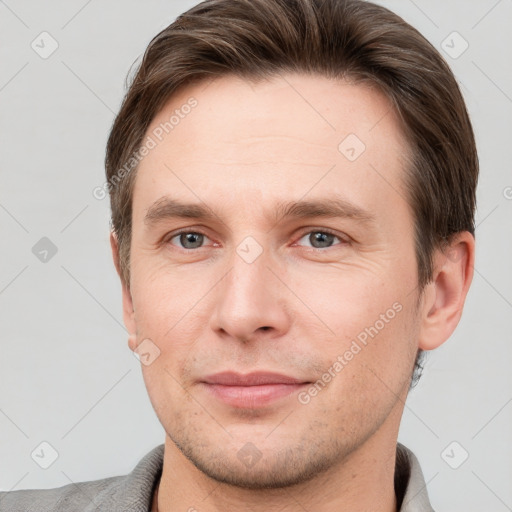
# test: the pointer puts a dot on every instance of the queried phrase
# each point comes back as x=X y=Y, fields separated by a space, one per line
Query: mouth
x=253 y=390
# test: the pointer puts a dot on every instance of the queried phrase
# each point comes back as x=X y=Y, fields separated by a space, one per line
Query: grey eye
x=320 y=239
x=190 y=239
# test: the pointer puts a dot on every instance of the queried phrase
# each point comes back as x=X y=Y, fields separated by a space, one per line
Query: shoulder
x=132 y=492
x=74 y=496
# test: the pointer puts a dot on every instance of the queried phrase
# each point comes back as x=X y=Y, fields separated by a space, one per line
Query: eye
x=318 y=238
x=189 y=239
x=321 y=238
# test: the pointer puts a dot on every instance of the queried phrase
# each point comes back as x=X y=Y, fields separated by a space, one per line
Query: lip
x=229 y=378
x=252 y=390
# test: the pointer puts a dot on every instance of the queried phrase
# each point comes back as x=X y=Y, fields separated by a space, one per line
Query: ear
x=128 y=310
x=444 y=297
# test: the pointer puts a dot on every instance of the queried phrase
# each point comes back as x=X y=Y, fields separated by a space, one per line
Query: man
x=292 y=186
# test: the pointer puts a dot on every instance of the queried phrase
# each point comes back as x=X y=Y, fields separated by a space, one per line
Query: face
x=295 y=255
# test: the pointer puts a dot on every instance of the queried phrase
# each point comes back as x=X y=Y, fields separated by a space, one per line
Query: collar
x=410 y=485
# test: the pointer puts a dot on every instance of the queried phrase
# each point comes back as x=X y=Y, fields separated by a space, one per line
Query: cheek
x=168 y=318
x=167 y=315
x=364 y=329
x=345 y=300
x=166 y=301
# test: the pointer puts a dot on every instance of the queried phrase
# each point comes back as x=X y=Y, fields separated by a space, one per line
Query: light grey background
x=67 y=376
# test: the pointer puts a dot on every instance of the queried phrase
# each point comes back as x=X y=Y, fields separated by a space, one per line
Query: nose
x=251 y=301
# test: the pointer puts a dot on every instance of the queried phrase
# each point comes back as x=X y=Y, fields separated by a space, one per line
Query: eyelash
x=315 y=230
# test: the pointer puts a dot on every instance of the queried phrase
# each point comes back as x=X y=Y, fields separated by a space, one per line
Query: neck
x=362 y=481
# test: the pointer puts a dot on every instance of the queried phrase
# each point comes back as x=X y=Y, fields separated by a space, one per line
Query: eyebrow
x=167 y=208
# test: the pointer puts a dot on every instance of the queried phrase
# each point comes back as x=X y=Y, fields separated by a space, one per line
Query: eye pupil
x=194 y=238
x=322 y=238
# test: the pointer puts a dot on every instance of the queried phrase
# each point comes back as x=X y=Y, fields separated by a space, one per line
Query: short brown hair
x=353 y=39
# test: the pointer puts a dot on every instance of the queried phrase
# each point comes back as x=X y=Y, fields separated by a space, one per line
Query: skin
x=244 y=147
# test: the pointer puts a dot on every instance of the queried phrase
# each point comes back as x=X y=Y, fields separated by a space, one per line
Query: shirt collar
x=410 y=485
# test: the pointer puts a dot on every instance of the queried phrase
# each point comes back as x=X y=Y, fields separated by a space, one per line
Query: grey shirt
x=134 y=492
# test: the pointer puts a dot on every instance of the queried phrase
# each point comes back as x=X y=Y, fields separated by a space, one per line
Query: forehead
x=272 y=140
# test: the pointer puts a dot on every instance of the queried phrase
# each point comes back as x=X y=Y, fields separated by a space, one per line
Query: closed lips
x=229 y=378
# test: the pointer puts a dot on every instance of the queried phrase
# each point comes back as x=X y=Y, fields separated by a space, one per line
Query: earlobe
x=446 y=294
x=132 y=341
